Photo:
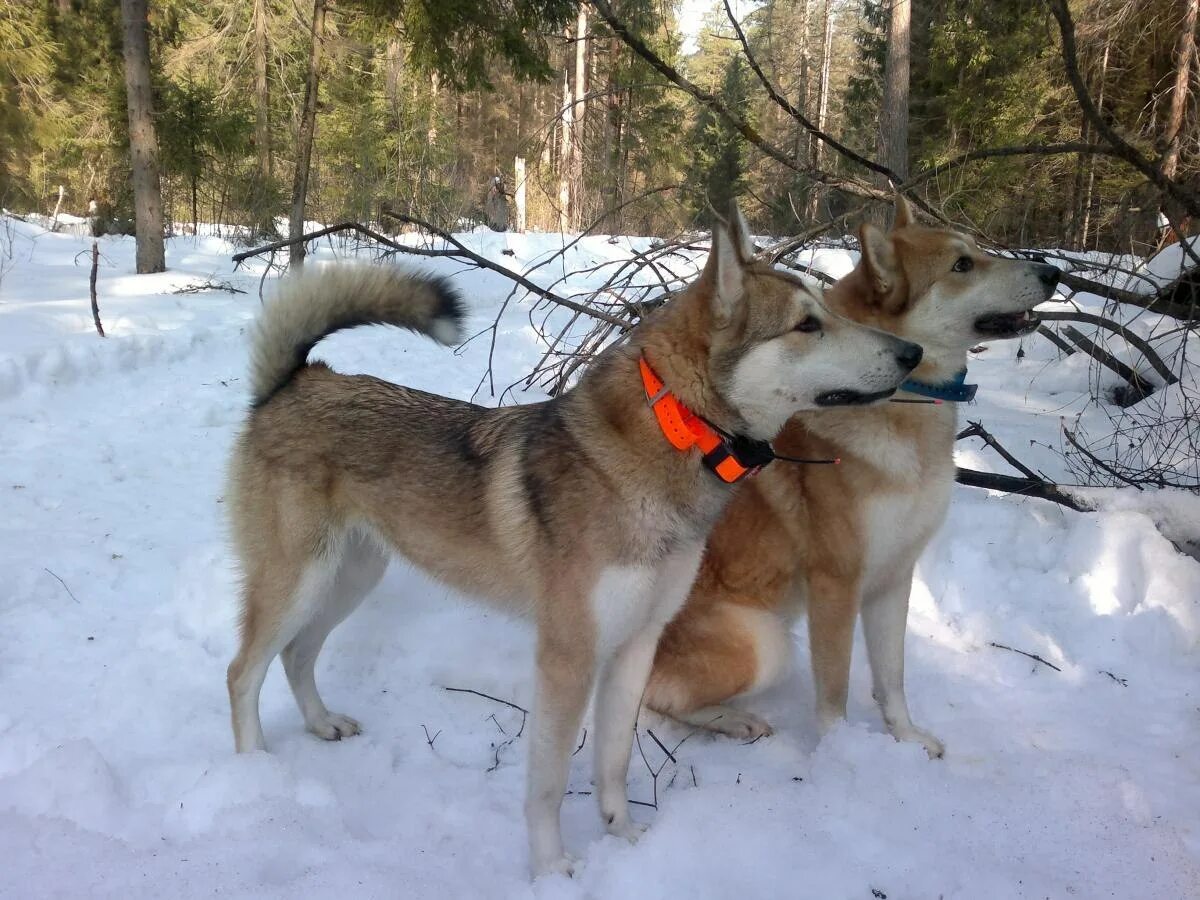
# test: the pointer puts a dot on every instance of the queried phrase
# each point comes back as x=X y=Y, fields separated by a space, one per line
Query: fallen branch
x=507 y=703
x=1032 y=656
x=1055 y=340
x=1137 y=341
x=1140 y=387
x=1025 y=487
x=225 y=286
x=976 y=429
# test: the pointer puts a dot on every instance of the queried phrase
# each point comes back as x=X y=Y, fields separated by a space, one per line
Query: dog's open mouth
x=1005 y=325
x=848 y=397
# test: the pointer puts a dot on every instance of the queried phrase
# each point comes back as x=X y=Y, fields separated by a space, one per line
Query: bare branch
x=1099 y=462
x=1032 y=656
x=976 y=429
x=1140 y=387
x=1134 y=340
x=998 y=152
x=787 y=107
x=1025 y=487
x=854 y=186
x=1190 y=200
x=460 y=249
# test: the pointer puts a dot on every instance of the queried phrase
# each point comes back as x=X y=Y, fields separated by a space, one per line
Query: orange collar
x=684 y=429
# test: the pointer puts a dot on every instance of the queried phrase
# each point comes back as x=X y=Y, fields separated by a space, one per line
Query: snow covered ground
x=117 y=776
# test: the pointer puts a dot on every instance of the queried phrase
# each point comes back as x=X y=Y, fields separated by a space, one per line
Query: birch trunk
x=818 y=148
x=578 y=112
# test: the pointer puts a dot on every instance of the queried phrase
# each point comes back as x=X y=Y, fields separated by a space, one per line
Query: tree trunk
x=818 y=148
x=893 y=131
x=577 y=118
x=1090 y=180
x=435 y=85
x=308 y=127
x=566 y=127
x=143 y=143
x=1185 y=49
x=519 y=192
x=262 y=95
x=804 y=92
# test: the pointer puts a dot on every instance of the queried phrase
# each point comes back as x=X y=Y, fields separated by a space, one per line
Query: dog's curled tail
x=308 y=308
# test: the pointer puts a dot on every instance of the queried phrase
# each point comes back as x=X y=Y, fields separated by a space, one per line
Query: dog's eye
x=964 y=264
x=808 y=324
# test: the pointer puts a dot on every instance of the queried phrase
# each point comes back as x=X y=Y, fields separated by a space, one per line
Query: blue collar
x=954 y=391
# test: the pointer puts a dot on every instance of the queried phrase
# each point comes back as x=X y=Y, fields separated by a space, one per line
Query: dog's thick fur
x=840 y=539
x=576 y=511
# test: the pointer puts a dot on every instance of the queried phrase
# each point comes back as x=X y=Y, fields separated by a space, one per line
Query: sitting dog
x=843 y=538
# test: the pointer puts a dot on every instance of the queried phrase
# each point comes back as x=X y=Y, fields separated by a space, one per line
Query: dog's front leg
x=832 y=612
x=623 y=682
x=618 y=697
x=885 y=620
x=565 y=666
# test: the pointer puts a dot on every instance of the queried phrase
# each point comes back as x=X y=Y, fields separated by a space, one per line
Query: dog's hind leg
x=280 y=599
x=885 y=617
x=362 y=566
x=712 y=654
x=727 y=720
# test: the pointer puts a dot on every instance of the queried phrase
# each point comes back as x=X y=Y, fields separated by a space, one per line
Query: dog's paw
x=934 y=747
x=334 y=727
x=561 y=865
x=745 y=726
x=628 y=830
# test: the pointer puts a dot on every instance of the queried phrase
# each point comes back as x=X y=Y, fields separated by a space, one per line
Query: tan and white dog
x=581 y=511
x=844 y=539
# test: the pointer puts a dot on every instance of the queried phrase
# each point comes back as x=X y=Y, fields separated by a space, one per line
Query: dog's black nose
x=1047 y=274
x=909 y=355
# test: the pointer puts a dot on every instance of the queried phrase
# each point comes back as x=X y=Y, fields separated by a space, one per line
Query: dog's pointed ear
x=904 y=213
x=724 y=274
x=878 y=260
x=740 y=234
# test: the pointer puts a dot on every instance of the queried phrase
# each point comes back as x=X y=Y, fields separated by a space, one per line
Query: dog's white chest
x=898 y=526
x=626 y=599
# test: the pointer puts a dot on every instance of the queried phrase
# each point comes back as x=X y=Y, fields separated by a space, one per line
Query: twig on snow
x=1032 y=656
x=64 y=584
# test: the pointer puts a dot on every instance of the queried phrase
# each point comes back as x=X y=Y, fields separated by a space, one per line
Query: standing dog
x=844 y=538
x=589 y=511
